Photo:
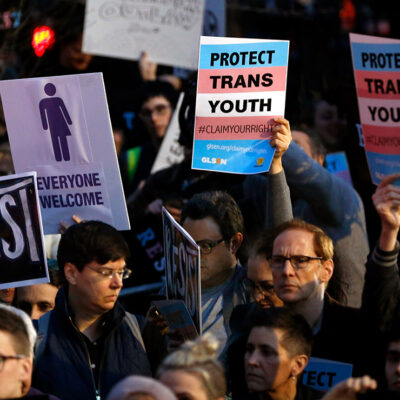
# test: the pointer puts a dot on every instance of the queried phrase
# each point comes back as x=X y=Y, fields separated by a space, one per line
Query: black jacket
x=63 y=366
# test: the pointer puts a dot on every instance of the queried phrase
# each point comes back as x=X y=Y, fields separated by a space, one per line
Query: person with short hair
x=16 y=353
x=215 y=222
x=88 y=342
x=37 y=300
x=277 y=351
x=193 y=371
x=302 y=268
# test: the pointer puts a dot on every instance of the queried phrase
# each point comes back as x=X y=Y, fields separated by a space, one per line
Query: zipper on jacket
x=96 y=388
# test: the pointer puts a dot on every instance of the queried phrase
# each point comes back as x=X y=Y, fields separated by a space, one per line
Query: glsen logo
x=208 y=160
x=260 y=161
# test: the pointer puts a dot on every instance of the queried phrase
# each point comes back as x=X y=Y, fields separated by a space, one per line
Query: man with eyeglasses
x=88 y=342
x=302 y=267
x=15 y=355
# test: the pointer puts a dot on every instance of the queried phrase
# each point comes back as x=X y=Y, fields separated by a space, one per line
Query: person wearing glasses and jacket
x=302 y=267
x=88 y=342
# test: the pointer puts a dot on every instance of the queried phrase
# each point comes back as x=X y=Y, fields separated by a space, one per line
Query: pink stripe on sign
x=381 y=140
x=260 y=79
x=235 y=128
x=379 y=84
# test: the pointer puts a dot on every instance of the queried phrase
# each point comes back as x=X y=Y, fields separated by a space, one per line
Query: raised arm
x=382 y=283
x=279 y=206
x=330 y=197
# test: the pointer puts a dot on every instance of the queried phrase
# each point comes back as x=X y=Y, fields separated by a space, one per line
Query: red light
x=43 y=39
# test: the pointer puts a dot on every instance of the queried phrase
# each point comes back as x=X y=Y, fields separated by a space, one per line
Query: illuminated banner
x=60 y=127
x=241 y=89
x=323 y=374
x=168 y=31
x=182 y=267
x=22 y=256
x=376 y=63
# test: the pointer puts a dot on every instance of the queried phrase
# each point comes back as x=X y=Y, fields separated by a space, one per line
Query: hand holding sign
x=387 y=203
x=348 y=389
x=280 y=140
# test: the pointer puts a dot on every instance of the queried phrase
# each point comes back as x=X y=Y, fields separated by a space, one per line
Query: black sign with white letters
x=22 y=257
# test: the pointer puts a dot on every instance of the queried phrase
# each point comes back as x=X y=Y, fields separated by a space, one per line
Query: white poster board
x=60 y=127
x=168 y=31
x=22 y=255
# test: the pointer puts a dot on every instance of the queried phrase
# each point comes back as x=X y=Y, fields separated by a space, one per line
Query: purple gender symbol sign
x=55 y=117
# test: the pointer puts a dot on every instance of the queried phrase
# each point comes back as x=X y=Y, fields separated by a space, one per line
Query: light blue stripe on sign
x=277 y=57
x=233 y=156
x=377 y=57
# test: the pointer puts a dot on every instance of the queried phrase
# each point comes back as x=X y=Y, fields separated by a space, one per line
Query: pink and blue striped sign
x=241 y=88
x=376 y=63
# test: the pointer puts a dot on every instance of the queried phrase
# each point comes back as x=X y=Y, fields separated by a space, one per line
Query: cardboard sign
x=182 y=268
x=323 y=374
x=337 y=164
x=171 y=152
x=168 y=31
x=22 y=255
x=376 y=63
x=241 y=89
x=60 y=127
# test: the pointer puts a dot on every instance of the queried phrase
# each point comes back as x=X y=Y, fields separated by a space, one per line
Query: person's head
x=259 y=273
x=157 y=100
x=17 y=338
x=215 y=222
x=301 y=261
x=193 y=372
x=277 y=350
x=140 y=388
x=327 y=122
x=392 y=361
x=310 y=143
x=92 y=256
x=37 y=300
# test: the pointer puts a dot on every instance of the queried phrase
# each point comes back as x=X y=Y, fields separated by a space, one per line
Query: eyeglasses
x=110 y=273
x=3 y=359
x=160 y=109
x=297 y=262
x=206 y=246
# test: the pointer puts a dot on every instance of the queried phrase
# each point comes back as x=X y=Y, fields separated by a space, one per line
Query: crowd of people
x=295 y=264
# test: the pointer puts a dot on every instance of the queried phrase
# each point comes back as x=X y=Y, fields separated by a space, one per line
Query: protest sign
x=214 y=18
x=182 y=268
x=337 y=164
x=323 y=374
x=376 y=64
x=60 y=127
x=171 y=152
x=168 y=31
x=241 y=89
x=214 y=23
x=22 y=256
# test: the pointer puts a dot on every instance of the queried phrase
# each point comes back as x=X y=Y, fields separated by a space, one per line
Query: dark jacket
x=63 y=365
x=346 y=336
x=381 y=296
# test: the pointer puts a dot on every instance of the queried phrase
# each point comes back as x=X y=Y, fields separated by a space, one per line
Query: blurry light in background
x=43 y=39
